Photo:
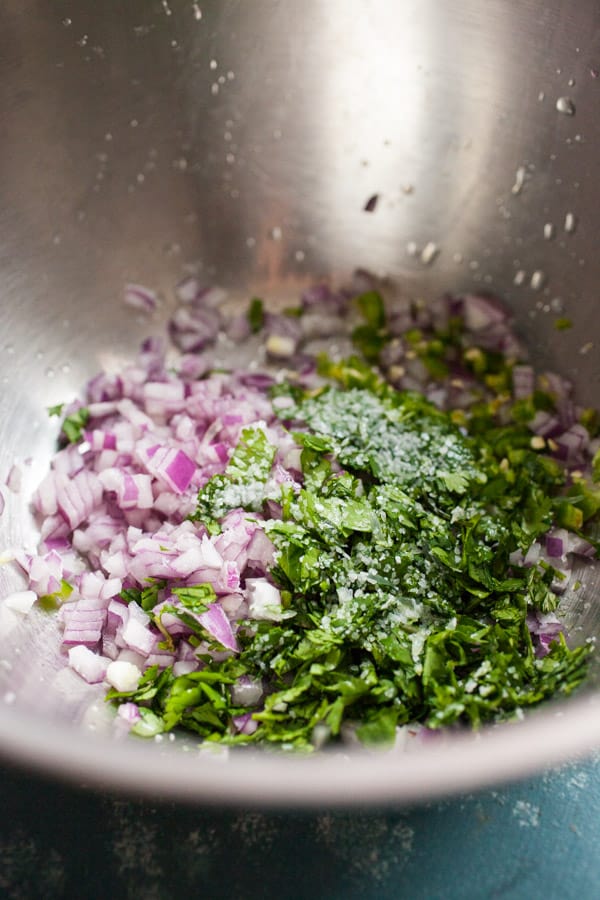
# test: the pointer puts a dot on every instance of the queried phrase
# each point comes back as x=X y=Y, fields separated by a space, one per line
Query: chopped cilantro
x=73 y=425
x=197 y=597
x=242 y=483
x=146 y=597
x=53 y=601
x=369 y=338
x=563 y=323
x=256 y=315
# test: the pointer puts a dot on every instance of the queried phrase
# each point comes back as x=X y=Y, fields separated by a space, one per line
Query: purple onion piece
x=139 y=297
x=482 y=312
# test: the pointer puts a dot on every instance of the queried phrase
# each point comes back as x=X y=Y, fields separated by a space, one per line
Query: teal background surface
x=535 y=839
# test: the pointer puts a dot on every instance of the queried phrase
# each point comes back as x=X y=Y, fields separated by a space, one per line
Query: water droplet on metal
x=571 y=82
x=276 y=233
x=570 y=223
x=538 y=279
x=565 y=106
x=429 y=253
x=557 y=304
x=520 y=175
x=411 y=248
x=519 y=278
x=458 y=257
x=541 y=96
x=299 y=254
x=197 y=11
x=213 y=64
x=548 y=231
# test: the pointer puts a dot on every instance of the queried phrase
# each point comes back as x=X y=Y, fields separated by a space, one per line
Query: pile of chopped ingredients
x=315 y=549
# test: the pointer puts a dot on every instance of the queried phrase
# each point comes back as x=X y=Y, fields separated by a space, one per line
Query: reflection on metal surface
x=244 y=143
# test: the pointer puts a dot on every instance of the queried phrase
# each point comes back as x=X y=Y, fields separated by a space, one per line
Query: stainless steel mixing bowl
x=240 y=140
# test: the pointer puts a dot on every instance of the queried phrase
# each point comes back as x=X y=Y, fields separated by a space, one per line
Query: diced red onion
x=130 y=713
x=264 y=599
x=139 y=297
x=572 y=443
x=188 y=290
x=580 y=547
x=238 y=328
x=83 y=626
x=194 y=328
x=544 y=628
x=317 y=295
x=20 y=601
x=137 y=636
x=245 y=724
x=109 y=646
x=545 y=424
x=14 y=479
x=184 y=667
x=218 y=626
x=482 y=312
x=556 y=543
x=123 y=675
x=523 y=381
x=172 y=466
x=260 y=552
x=89 y=665
x=246 y=691
x=76 y=497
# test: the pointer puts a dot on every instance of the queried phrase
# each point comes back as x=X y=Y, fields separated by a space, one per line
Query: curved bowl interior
x=241 y=142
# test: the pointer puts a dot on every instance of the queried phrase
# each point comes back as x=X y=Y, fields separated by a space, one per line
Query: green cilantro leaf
x=256 y=314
